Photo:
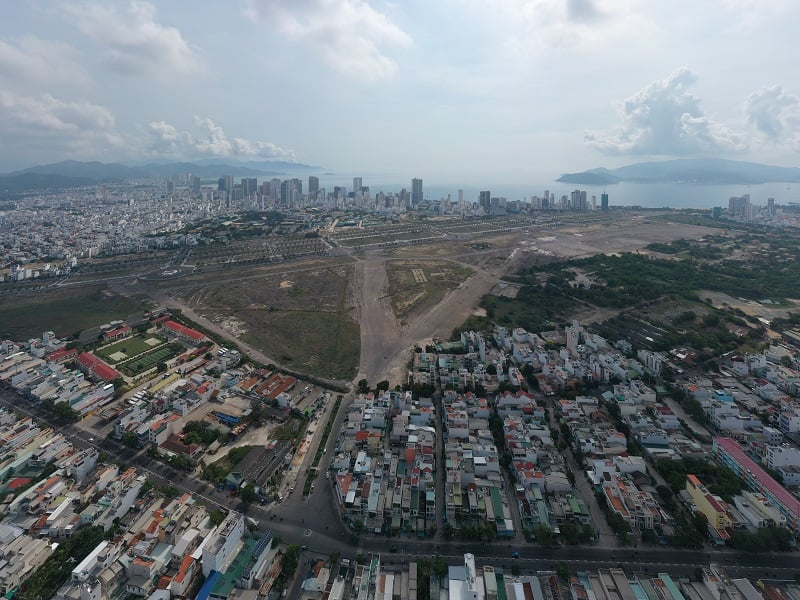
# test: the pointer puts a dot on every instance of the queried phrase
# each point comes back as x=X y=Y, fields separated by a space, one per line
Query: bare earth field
x=750 y=307
x=416 y=286
x=385 y=343
x=303 y=319
x=333 y=316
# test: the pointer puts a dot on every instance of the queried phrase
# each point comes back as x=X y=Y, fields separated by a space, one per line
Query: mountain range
x=711 y=171
x=72 y=173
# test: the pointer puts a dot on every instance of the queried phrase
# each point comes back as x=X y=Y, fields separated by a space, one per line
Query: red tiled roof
x=748 y=464
x=183 y=330
x=18 y=482
x=97 y=366
x=117 y=331
x=62 y=354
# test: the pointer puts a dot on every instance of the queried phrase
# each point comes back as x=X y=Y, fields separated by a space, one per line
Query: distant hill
x=71 y=173
x=689 y=170
x=593 y=177
x=90 y=170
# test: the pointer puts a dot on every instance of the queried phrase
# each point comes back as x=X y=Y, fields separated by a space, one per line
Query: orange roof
x=186 y=566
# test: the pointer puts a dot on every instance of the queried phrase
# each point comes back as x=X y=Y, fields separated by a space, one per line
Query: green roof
x=227 y=582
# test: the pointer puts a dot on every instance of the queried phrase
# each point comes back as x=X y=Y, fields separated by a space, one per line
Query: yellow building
x=713 y=507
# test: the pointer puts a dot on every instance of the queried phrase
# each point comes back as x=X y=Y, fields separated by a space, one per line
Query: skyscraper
x=603 y=201
x=578 y=200
x=249 y=186
x=313 y=186
x=485 y=200
x=356 y=185
x=416 y=192
x=291 y=190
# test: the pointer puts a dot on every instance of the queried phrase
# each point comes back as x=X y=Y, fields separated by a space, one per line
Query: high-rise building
x=485 y=200
x=771 y=207
x=416 y=192
x=291 y=190
x=578 y=200
x=195 y=184
x=356 y=185
x=603 y=201
x=249 y=186
x=313 y=186
x=737 y=206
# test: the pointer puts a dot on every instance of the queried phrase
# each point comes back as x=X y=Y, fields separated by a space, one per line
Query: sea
x=647 y=195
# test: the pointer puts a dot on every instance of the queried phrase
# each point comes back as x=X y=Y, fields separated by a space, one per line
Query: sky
x=469 y=90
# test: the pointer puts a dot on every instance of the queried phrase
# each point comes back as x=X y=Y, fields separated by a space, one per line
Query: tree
x=382 y=385
x=439 y=567
x=363 y=386
x=161 y=367
x=562 y=570
x=291 y=558
x=64 y=412
x=216 y=516
x=543 y=535
x=248 y=493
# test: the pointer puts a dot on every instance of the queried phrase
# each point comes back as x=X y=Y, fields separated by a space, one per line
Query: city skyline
x=511 y=90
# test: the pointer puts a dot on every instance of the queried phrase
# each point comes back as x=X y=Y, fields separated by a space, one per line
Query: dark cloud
x=583 y=11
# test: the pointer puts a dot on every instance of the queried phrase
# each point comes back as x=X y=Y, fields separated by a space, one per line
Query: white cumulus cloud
x=350 y=35
x=539 y=26
x=775 y=114
x=132 y=40
x=36 y=60
x=664 y=118
x=208 y=139
x=46 y=121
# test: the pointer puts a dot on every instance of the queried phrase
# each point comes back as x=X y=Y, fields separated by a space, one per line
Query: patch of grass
x=412 y=294
x=293 y=430
x=64 y=311
x=151 y=359
x=130 y=347
x=304 y=321
x=320 y=343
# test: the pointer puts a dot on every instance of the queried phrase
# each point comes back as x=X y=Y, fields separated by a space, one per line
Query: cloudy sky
x=472 y=90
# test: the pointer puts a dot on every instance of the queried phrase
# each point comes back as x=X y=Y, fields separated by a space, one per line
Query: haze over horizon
x=519 y=90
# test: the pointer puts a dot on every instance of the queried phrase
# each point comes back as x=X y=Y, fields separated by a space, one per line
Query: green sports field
x=128 y=348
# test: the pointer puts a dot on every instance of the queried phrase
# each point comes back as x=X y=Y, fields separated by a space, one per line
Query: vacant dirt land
x=303 y=318
x=321 y=315
x=385 y=343
x=417 y=286
x=751 y=307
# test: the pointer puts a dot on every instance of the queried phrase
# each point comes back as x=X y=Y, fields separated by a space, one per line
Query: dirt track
x=386 y=346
